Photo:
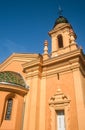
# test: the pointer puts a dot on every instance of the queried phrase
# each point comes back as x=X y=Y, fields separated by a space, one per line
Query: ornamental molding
x=64 y=63
x=59 y=99
x=64 y=57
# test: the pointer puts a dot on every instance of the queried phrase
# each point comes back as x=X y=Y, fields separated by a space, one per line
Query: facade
x=45 y=91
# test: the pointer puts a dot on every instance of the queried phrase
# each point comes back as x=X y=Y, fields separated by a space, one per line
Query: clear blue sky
x=24 y=24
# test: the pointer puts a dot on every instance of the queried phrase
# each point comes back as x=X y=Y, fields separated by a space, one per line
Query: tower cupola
x=59 y=20
x=63 y=37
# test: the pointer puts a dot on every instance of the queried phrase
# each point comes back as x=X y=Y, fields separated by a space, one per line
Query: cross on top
x=60 y=11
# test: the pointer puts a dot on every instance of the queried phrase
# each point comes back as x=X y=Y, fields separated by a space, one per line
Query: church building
x=45 y=91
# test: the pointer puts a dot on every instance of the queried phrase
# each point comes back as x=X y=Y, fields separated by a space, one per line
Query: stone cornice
x=59 y=27
x=58 y=64
x=32 y=64
x=33 y=68
x=64 y=57
x=13 y=88
x=65 y=62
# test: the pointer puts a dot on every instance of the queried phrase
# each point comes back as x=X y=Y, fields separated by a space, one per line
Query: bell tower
x=63 y=37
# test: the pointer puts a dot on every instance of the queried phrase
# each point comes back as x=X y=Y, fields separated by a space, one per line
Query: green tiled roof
x=59 y=20
x=12 y=78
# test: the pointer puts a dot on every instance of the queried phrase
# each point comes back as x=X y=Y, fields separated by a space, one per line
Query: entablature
x=66 y=62
x=34 y=67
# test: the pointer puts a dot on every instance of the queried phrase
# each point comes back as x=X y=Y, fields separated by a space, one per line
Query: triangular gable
x=17 y=59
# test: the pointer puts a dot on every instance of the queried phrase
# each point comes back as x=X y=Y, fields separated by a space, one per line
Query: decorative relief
x=59 y=98
x=59 y=102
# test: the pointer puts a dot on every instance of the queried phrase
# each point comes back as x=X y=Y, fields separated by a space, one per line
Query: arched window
x=9 y=109
x=60 y=41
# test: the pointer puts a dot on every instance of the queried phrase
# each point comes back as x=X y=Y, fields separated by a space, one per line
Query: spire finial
x=45 y=55
x=60 y=11
x=46 y=47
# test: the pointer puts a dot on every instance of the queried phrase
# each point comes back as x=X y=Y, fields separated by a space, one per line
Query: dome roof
x=12 y=78
x=59 y=20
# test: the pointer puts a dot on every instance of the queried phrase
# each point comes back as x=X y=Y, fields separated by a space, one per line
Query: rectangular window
x=60 y=120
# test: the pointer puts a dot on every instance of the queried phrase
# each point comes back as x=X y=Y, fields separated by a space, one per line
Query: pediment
x=59 y=98
x=17 y=59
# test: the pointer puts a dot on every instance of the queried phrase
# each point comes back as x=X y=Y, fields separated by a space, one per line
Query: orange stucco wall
x=66 y=83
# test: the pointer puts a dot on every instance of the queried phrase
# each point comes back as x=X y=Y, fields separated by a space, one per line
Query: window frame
x=57 y=116
x=59 y=102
